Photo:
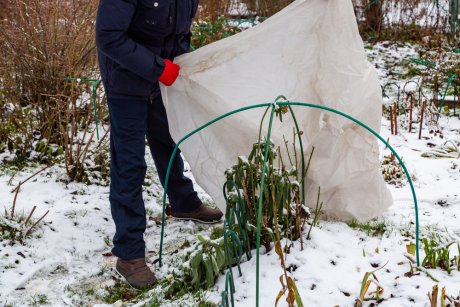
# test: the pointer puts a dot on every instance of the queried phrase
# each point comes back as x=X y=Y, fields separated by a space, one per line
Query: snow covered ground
x=67 y=262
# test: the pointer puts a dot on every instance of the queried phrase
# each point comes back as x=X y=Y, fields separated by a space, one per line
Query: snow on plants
x=66 y=258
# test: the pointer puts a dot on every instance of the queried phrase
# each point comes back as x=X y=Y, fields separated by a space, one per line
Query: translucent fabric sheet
x=309 y=52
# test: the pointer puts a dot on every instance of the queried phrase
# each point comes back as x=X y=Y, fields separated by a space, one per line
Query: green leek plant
x=438 y=255
x=284 y=212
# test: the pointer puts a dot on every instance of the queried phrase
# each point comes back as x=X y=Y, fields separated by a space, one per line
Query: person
x=137 y=41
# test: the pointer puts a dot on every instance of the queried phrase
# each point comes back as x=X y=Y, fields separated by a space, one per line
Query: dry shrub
x=6 y=8
x=402 y=19
x=213 y=9
x=240 y=9
x=45 y=42
x=382 y=19
x=374 y=15
x=266 y=8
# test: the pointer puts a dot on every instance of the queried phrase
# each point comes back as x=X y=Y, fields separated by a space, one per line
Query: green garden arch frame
x=274 y=105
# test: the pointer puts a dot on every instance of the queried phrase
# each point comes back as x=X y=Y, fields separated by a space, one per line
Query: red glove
x=170 y=73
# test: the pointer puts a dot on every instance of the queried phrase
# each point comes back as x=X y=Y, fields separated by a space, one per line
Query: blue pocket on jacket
x=123 y=82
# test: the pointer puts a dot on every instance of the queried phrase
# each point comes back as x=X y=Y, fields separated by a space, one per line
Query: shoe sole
x=197 y=220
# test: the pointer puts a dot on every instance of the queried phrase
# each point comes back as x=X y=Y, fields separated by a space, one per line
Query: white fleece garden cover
x=309 y=52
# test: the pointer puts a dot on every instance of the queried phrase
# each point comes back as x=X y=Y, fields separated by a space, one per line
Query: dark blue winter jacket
x=134 y=36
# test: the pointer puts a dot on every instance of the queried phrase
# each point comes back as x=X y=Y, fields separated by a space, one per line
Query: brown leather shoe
x=136 y=272
x=202 y=214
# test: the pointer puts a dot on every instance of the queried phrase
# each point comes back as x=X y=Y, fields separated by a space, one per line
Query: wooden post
x=421 y=120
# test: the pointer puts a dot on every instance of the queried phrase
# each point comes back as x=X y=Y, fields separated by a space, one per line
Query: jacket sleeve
x=112 y=22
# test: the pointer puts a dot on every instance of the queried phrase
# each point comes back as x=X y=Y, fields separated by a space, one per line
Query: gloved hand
x=170 y=73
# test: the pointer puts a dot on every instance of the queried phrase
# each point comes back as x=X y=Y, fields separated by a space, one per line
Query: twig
x=17 y=189
x=410 y=257
x=14 y=201
x=309 y=161
x=83 y=154
x=287 y=150
x=306 y=171
x=103 y=138
x=30 y=215
x=32 y=176
x=319 y=206
x=36 y=223
x=295 y=152
x=10 y=181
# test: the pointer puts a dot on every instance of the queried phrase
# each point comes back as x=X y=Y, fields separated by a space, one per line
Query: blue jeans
x=131 y=121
